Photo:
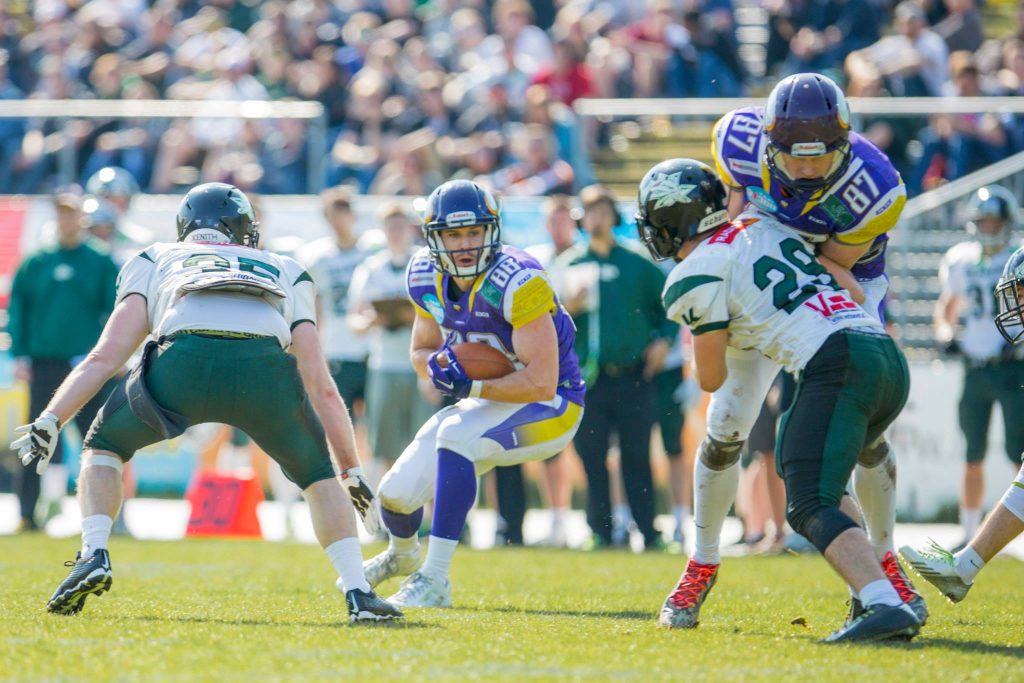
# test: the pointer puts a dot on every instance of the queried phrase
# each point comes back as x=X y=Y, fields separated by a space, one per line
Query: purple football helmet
x=807 y=116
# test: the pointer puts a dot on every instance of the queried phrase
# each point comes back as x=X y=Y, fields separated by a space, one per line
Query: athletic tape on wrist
x=90 y=459
x=1013 y=499
x=475 y=388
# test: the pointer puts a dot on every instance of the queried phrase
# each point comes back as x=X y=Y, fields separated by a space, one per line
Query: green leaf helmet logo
x=664 y=189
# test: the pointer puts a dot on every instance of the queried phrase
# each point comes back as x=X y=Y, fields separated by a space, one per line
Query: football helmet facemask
x=806 y=116
x=217 y=213
x=678 y=199
x=1010 y=299
x=462 y=204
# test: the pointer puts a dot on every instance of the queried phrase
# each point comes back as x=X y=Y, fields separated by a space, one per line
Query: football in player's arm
x=754 y=284
x=466 y=286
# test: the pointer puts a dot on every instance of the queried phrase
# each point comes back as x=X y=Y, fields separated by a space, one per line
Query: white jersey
x=757 y=278
x=379 y=279
x=332 y=268
x=223 y=287
x=966 y=273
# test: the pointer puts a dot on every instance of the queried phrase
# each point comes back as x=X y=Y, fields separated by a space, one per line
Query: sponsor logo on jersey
x=421 y=279
x=828 y=305
x=815 y=219
x=728 y=233
x=759 y=197
x=880 y=210
x=434 y=307
x=481 y=314
x=63 y=272
x=837 y=211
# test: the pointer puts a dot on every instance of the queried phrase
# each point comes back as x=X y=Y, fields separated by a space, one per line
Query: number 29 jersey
x=512 y=292
x=861 y=206
x=757 y=279
x=222 y=287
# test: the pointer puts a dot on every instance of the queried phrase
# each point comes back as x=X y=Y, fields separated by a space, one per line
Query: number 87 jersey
x=759 y=280
x=861 y=206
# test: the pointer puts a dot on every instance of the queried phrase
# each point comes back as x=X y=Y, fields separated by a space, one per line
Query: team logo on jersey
x=665 y=190
x=759 y=197
x=434 y=307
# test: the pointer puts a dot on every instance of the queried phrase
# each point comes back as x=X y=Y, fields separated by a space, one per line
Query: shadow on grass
x=633 y=615
x=245 y=621
x=973 y=647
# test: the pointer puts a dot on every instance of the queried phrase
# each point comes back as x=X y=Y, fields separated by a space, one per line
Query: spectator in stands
x=61 y=297
x=622 y=341
x=11 y=130
x=1011 y=81
x=652 y=42
x=833 y=30
x=930 y=49
x=569 y=78
x=536 y=171
x=961 y=29
x=955 y=145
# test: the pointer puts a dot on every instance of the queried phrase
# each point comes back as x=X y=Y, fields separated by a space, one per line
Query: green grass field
x=250 y=611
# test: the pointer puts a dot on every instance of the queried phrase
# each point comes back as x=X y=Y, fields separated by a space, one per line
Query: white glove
x=363 y=499
x=37 y=440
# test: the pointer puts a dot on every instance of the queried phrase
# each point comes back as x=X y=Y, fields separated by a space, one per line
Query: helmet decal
x=678 y=199
x=666 y=189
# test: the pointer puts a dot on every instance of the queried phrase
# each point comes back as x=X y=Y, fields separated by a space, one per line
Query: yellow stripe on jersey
x=882 y=223
x=716 y=154
x=531 y=301
x=553 y=428
x=420 y=311
x=480 y=279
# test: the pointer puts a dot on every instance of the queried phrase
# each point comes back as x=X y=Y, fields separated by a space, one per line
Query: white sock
x=880 y=592
x=876 y=490
x=346 y=556
x=95 y=533
x=713 y=494
x=440 y=552
x=970 y=520
x=967 y=564
x=404 y=546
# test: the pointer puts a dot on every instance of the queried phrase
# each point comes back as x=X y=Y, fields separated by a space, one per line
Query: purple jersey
x=512 y=292
x=861 y=206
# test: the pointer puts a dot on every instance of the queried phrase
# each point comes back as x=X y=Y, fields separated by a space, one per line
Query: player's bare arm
x=945 y=316
x=536 y=345
x=426 y=340
x=323 y=394
x=125 y=330
x=844 y=277
x=709 y=359
x=737 y=201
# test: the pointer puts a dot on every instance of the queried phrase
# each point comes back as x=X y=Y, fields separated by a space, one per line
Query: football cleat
x=89 y=576
x=899 y=580
x=937 y=566
x=383 y=566
x=879 y=622
x=423 y=590
x=682 y=606
x=856 y=609
x=367 y=606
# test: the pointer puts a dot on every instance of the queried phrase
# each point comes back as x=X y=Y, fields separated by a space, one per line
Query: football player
x=754 y=283
x=993 y=370
x=468 y=287
x=797 y=161
x=221 y=314
x=954 y=574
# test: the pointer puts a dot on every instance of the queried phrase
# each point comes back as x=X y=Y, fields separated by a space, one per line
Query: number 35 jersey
x=513 y=292
x=759 y=280
x=223 y=287
x=861 y=206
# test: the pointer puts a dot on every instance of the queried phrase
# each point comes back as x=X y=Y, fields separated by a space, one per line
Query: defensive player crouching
x=465 y=286
x=754 y=284
x=221 y=313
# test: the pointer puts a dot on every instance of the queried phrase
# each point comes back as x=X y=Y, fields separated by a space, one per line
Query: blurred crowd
x=418 y=92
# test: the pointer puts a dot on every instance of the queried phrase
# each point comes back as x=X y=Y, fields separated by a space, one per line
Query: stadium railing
x=66 y=111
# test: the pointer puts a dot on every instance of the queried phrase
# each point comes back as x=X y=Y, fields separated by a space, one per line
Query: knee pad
x=874 y=453
x=719 y=455
x=817 y=523
x=393 y=497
